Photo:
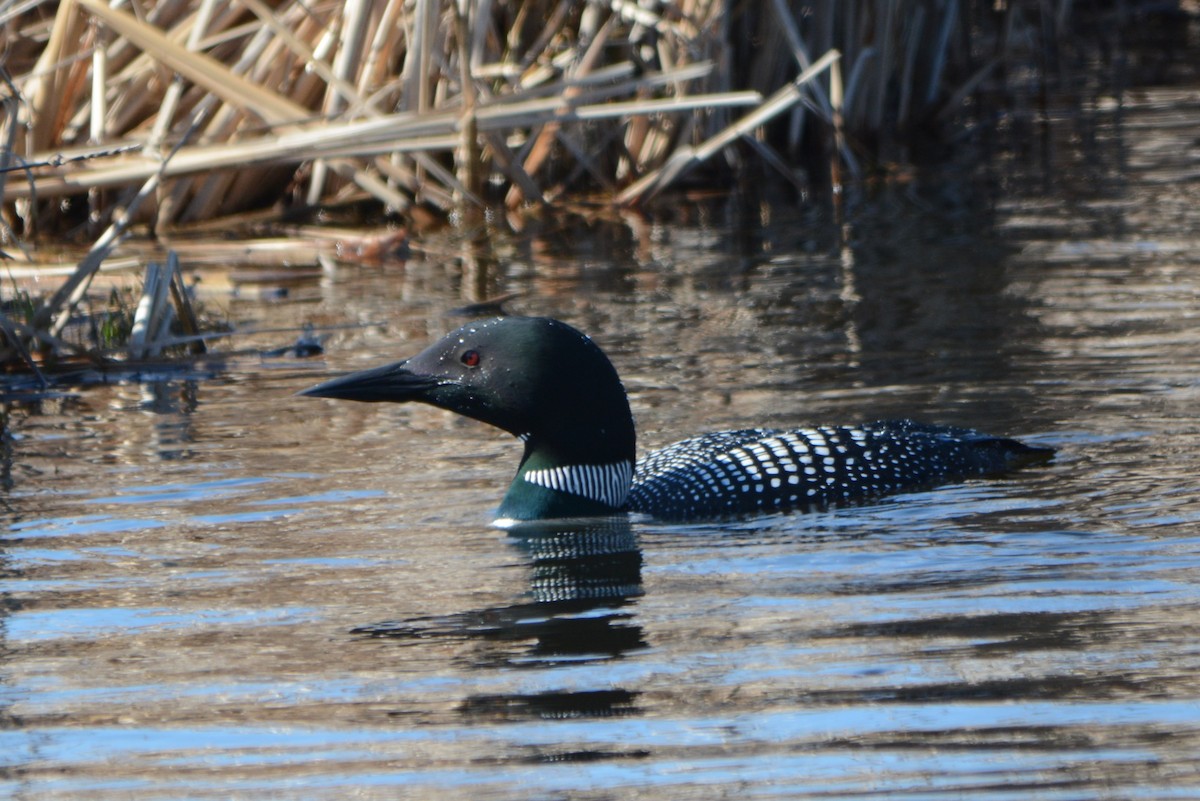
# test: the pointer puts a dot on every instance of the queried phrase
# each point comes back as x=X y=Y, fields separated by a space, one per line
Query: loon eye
x=470 y=358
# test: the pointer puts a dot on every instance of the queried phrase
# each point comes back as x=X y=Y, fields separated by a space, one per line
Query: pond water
x=211 y=588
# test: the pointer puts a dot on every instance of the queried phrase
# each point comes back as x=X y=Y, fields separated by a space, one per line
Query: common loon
x=552 y=387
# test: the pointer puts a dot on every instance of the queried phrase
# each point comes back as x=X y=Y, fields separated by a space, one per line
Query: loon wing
x=756 y=470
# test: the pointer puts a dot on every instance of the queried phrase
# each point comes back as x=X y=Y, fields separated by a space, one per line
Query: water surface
x=214 y=589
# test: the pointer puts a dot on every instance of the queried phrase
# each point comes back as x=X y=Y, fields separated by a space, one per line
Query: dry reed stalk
x=418 y=71
x=20 y=271
x=687 y=157
x=467 y=157
x=330 y=142
x=340 y=91
x=12 y=112
x=169 y=200
x=837 y=105
x=162 y=121
x=184 y=310
x=99 y=109
x=46 y=89
x=372 y=73
x=154 y=314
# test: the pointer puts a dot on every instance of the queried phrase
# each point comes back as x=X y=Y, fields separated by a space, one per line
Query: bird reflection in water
x=585 y=577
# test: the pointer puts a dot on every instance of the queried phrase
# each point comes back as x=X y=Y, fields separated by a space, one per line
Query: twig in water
x=10 y=334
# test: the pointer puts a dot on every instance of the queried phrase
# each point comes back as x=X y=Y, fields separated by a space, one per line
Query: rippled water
x=214 y=589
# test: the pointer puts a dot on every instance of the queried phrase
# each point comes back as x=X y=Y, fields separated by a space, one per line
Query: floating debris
x=489 y=306
x=307 y=345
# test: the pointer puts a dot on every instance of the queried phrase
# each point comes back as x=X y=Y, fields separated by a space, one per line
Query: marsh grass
x=240 y=105
x=190 y=113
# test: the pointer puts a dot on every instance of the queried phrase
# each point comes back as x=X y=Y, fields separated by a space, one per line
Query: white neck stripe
x=604 y=483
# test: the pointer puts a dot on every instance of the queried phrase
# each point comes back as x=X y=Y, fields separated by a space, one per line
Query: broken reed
x=235 y=105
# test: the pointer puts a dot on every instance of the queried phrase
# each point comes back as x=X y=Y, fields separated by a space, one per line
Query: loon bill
x=550 y=385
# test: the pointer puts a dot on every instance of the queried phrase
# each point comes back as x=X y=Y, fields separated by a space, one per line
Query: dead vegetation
x=236 y=105
x=177 y=113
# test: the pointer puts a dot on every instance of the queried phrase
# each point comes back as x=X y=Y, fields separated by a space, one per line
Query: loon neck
x=549 y=485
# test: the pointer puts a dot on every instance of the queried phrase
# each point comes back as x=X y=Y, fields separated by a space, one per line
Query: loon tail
x=1009 y=454
x=990 y=455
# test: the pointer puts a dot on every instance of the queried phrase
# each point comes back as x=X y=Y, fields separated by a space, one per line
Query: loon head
x=538 y=379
